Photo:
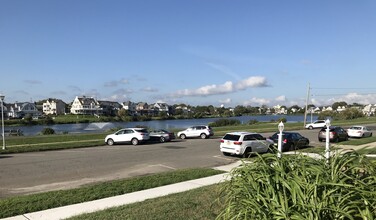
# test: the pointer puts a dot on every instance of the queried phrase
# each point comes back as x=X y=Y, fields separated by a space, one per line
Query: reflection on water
x=158 y=124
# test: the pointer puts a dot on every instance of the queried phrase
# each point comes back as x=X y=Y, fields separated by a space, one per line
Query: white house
x=54 y=107
x=21 y=109
x=130 y=107
x=86 y=106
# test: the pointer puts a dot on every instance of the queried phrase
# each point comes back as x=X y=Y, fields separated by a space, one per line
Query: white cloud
x=257 y=101
x=149 y=89
x=281 y=98
x=225 y=101
x=227 y=87
x=251 y=82
x=116 y=83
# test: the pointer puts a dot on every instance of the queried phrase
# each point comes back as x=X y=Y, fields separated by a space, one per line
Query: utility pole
x=306 y=105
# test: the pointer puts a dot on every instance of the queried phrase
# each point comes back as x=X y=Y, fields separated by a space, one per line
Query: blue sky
x=198 y=52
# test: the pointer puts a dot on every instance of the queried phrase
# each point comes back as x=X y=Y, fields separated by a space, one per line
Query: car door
x=257 y=143
x=124 y=136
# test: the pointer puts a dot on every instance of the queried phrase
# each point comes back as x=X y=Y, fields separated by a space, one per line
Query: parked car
x=132 y=135
x=316 y=124
x=336 y=134
x=202 y=131
x=359 y=131
x=161 y=135
x=243 y=143
x=290 y=140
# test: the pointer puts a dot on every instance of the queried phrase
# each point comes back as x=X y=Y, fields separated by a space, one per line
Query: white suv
x=243 y=143
x=132 y=135
x=202 y=131
x=316 y=124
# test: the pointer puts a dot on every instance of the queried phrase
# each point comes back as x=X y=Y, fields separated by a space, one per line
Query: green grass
x=51 y=142
x=201 y=204
x=31 y=203
x=359 y=141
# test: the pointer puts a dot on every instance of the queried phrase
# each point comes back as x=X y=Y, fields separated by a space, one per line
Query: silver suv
x=132 y=135
x=243 y=143
x=202 y=131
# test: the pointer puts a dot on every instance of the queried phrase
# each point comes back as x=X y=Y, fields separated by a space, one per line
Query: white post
x=327 y=142
x=280 y=128
x=2 y=119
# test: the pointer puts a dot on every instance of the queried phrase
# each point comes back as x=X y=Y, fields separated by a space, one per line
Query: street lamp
x=280 y=128
x=327 y=143
x=2 y=118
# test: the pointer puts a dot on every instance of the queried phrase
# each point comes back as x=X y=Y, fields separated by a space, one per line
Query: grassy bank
x=203 y=203
x=41 y=201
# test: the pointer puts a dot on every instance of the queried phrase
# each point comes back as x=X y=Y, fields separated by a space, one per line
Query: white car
x=316 y=124
x=243 y=143
x=132 y=135
x=202 y=131
x=359 y=131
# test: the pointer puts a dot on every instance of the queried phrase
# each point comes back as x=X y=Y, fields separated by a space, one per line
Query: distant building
x=54 y=107
x=130 y=107
x=109 y=108
x=21 y=109
x=86 y=106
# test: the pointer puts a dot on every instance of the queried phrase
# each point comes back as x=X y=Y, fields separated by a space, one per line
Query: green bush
x=224 y=122
x=299 y=187
x=48 y=131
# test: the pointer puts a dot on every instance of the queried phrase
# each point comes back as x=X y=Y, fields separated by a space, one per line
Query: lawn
x=41 y=201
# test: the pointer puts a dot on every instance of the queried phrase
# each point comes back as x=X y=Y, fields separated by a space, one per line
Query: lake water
x=155 y=124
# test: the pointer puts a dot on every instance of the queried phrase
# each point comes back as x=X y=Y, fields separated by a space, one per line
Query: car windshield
x=231 y=137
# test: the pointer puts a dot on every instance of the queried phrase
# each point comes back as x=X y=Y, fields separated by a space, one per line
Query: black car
x=336 y=134
x=161 y=135
x=290 y=140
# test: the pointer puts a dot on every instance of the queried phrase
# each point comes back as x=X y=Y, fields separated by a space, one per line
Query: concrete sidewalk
x=101 y=204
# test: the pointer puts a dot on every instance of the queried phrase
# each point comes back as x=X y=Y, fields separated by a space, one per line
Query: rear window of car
x=143 y=130
x=356 y=128
x=231 y=137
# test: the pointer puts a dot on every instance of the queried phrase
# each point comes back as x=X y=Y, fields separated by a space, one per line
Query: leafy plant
x=300 y=187
x=48 y=131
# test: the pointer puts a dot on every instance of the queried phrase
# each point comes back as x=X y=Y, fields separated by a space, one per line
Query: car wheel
x=270 y=149
x=110 y=142
x=370 y=135
x=134 y=141
x=310 y=127
x=292 y=147
x=162 y=139
x=336 y=140
x=182 y=136
x=203 y=136
x=247 y=152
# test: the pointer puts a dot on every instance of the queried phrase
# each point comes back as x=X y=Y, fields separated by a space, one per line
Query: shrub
x=299 y=187
x=224 y=122
x=48 y=131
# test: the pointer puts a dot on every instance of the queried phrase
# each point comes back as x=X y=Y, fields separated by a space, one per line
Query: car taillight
x=222 y=141
x=238 y=143
x=332 y=134
x=285 y=141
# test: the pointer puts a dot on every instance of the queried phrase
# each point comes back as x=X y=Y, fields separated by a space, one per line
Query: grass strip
x=31 y=203
x=198 y=204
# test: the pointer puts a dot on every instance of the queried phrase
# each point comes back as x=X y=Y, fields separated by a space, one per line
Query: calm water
x=158 y=124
